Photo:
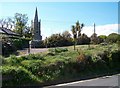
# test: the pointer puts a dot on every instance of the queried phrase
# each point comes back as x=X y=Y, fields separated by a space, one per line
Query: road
x=38 y=50
x=105 y=82
x=32 y=51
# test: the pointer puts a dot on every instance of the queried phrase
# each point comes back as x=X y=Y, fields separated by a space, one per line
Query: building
x=36 y=25
x=7 y=32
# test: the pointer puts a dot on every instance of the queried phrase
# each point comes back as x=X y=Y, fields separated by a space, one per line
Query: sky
x=57 y=17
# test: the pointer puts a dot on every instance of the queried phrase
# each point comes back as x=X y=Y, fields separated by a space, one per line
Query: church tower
x=37 y=28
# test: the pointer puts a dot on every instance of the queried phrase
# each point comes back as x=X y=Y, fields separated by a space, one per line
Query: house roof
x=1 y=31
x=7 y=31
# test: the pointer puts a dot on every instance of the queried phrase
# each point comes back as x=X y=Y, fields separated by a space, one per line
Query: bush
x=115 y=59
x=100 y=65
x=2 y=60
x=13 y=60
x=21 y=43
x=58 y=50
x=16 y=76
x=8 y=48
x=32 y=65
x=35 y=57
x=105 y=56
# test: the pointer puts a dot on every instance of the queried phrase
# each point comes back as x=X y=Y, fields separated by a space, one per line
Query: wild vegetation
x=60 y=64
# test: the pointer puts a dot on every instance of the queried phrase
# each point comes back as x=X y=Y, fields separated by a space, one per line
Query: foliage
x=115 y=58
x=21 y=43
x=58 y=50
x=76 y=31
x=58 y=40
x=17 y=76
x=113 y=38
x=20 y=23
x=32 y=65
x=102 y=38
x=8 y=47
x=83 y=39
x=34 y=57
x=64 y=64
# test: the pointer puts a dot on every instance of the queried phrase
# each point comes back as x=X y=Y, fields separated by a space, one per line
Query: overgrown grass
x=62 y=63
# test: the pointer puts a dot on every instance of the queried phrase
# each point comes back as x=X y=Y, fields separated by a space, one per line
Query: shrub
x=32 y=65
x=33 y=57
x=58 y=50
x=2 y=60
x=21 y=43
x=105 y=56
x=16 y=76
x=8 y=48
x=13 y=60
x=100 y=65
x=115 y=59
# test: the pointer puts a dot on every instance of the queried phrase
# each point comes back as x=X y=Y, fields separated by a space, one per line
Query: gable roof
x=7 y=31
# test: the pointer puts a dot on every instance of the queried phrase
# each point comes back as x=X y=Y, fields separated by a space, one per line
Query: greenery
x=20 y=22
x=13 y=75
x=76 y=31
x=58 y=40
x=60 y=63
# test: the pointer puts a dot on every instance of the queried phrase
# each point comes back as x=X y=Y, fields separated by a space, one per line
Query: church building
x=36 y=25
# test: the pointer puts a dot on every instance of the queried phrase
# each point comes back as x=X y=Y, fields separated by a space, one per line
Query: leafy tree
x=118 y=42
x=28 y=33
x=83 y=39
x=112 y=38
x=58 y=40
x=66 y=34
x=20 y=23
x=102 y=38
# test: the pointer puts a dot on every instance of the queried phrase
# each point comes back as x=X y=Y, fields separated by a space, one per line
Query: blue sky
x=58 y=17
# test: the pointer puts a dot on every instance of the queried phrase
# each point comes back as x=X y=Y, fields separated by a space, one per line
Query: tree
x=102 y=38
x=112 y=38
x=79 y=28
x=59 y=40
x=27 y=32
x=66 y=34
x=8 y=22
x=20 y=23
x=83 y=39
x=74 y=32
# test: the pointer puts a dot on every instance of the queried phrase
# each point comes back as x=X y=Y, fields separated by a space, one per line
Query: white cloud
x=101 y=29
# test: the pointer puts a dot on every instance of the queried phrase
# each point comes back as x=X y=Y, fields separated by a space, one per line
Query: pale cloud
x=101 y=29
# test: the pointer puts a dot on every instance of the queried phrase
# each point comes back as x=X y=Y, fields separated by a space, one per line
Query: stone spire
x=36 y=16
x=36 y=27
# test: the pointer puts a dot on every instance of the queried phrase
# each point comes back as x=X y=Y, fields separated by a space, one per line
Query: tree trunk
x=74 y=44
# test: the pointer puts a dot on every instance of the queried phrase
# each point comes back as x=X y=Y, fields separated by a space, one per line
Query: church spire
x=36 y=16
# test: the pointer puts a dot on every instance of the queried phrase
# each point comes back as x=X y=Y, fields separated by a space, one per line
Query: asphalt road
x=102 y=82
